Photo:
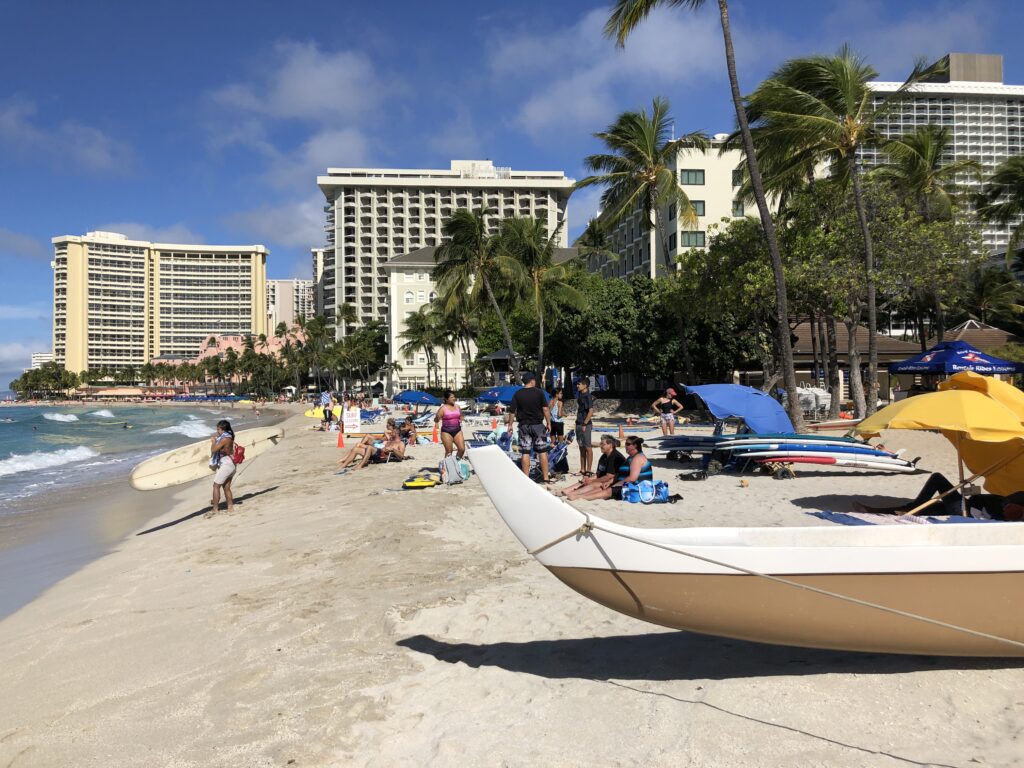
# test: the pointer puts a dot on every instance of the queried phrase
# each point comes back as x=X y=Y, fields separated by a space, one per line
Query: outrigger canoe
x=951 y=589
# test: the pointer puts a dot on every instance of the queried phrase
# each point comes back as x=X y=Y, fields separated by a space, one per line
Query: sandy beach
x=335 y=621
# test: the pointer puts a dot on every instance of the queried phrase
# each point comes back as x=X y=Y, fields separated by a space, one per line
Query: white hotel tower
x=377 y=214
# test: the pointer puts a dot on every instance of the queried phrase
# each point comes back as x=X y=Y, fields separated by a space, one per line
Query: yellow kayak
x=318 y=412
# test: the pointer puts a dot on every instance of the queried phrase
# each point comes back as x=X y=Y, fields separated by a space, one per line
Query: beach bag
x=239 y=455
x=465 y=469
x=631 y=492
x=449 y=471
x=646 y=492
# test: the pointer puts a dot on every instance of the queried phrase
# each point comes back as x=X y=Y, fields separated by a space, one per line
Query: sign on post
x=350 y=420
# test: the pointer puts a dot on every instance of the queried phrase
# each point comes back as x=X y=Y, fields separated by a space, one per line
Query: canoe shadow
x=238 y=500
x=664 y=656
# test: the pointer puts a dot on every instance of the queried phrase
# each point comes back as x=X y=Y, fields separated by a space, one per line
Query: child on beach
x=222 y=446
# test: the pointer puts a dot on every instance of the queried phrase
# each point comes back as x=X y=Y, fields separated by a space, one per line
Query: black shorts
x=557 y=428
x=616 y=493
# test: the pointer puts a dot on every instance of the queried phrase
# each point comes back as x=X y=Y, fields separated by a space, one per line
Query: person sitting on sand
x=982 y=505
x=391 y=449
x=667 y=407
x=634 y=469
x=408 y=430
x=607 y=469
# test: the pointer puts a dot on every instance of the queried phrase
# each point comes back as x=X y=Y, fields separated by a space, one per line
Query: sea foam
x=60 y=416
x=103 y=413
x=191 y=428
x=43 y=459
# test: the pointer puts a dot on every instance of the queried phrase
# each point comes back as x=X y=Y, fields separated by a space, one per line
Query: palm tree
x=543 y=281
x=992 y=294
x=421 y=332
x=626 y=16
x=345 y=316
x=918 y=172
x=1001 y=201
x=636 y=171
x=594 y=244
x=820 y=109
x=466 y=265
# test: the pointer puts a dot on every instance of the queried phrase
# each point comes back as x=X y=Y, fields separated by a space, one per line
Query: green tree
x=637 y=171
x=626 y=16
x=820 y=109
x=544 y=283
x=992 y=294
x=1001 y=201
x=422 y=332
x=468 y=263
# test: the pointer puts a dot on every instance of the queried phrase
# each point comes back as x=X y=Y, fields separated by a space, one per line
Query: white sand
x=326 y=624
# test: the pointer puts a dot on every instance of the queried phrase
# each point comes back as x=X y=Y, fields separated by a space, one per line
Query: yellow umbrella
x=1001 y=391
x=968 y=413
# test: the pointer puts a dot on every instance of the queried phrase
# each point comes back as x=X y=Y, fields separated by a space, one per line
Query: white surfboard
x=784 y=454
x=192 y=462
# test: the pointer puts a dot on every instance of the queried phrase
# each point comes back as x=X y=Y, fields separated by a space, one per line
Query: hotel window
x=672 y=241
x=737 y=208
x=692 y=239
x=409 y=297
x=698 y=207
x=422 y=360
x=671 y=211
x=737 y=177
x=433 y=295
x=421 y=296
x=691 y=176
x=410 y=361
x=421 y=276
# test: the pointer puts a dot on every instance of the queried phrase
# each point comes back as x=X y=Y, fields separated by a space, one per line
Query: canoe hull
x=756 y=609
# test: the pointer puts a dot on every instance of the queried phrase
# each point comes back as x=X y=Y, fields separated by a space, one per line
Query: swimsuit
x=451 y=421
x=666 y=412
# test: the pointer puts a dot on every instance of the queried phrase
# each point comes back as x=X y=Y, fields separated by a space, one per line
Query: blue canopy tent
x=761 y=412
x=415 y=397
x=949 y=357
x=503 y=395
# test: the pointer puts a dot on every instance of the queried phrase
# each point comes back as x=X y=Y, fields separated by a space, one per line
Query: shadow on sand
x=664 y=656
x=238 y=500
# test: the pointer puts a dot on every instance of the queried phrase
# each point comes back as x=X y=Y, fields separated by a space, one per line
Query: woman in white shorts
x=222 y=446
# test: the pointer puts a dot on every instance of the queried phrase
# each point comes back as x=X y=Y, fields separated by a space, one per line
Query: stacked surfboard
x=820 y=450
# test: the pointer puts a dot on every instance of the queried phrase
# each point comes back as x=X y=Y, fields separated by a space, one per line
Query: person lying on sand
x=990 y=505
x=607 y=468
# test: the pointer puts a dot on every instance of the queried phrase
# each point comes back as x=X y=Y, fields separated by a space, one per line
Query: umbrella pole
x=960 y=467
x=1002 y=462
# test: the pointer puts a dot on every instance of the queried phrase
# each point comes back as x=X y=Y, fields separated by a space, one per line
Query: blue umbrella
x=416 y=397
x=953 y=357
x=761 y=412
x=503 y=395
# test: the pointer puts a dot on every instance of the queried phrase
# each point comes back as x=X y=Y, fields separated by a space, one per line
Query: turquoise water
x=45 y=448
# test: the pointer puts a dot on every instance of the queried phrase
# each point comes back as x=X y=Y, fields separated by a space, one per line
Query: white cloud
x=330 y=147
x=24 y=312
x=81 y=146
x=671 y=48
x=16 y=355
x=306 y=83
x=890 y=45
x=583 y=206
x=17 y=245
x=173 y=233
x=294 y=224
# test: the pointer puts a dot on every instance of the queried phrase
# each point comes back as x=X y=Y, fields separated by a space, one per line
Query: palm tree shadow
x=665 y=656
x=204 y=510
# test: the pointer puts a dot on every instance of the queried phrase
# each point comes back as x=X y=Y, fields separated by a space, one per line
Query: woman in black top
x=608 y=467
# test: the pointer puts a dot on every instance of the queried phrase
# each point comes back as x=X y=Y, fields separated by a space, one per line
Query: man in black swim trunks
x=531 y=408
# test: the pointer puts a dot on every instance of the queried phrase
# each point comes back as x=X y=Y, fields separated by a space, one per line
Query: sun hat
x=670 y=392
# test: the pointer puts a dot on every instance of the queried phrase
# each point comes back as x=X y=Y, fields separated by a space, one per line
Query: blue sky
x=209 y=122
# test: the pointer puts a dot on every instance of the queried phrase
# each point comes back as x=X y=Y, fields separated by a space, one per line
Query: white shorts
x=225 y=471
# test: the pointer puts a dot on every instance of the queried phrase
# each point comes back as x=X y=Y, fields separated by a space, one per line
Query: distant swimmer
x=125 y=426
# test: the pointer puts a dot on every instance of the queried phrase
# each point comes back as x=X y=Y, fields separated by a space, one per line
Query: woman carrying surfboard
x=222 y=446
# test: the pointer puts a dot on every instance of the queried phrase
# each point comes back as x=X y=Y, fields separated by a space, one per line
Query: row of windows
x=686 y=240
x=695 y=177
x=418 y=296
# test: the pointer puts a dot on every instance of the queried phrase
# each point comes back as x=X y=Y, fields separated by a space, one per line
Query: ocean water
x=44 y=449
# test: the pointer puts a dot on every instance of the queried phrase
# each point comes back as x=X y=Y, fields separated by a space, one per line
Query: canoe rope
x=589 y=526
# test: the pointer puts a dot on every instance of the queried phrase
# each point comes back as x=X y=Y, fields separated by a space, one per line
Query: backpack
x=450 y=472
x=465 y=469
x=239 y=455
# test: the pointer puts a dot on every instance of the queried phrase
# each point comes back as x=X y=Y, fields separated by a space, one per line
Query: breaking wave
x=193 y=427
x=60 y=416
x=43 y=460
x=103 y=413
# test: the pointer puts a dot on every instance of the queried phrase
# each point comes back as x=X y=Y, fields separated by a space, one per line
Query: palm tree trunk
x=659 y=222
x=940 y=320
x=853 y=353
x=835 y=388
x=513 y=362
x=540 y=346
x=781 y=301
x=869 y=273
x=812 y=323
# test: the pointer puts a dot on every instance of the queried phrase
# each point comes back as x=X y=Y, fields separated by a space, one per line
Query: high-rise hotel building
x=377 y=214
x=120 y=302
x=983 y=115
x=287 y=300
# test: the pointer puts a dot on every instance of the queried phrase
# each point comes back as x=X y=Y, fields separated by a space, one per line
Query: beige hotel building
x=120 y=302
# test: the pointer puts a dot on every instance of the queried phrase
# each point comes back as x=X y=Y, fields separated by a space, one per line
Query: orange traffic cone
x=494 y=425
x=622 y=435
x=341 y=438
x=434 y=438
